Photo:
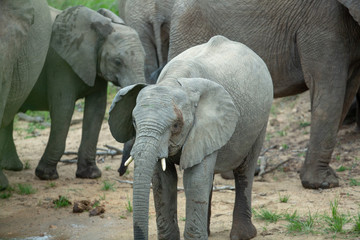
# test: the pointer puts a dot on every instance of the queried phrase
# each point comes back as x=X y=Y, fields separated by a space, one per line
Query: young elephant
x=207 y=113
x=86 y=51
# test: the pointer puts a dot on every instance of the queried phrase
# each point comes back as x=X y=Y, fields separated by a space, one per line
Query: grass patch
x=129 y=207
x=284 y=199
x=284 y=146
x=336 y=221
x=342 y=169
x=356 y=228
x=266 y=215
x=304 y=124
x=107 y=168
x=354 y=182
x=5 y=195
x=26 y=189
x=282 y=133
x=27 y=165
x=108 y=186
x=296 y=224
x=61 y=202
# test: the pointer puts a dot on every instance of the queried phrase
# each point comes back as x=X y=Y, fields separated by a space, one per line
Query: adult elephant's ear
x=215 y=120
x=120 y=113
x=354 y=8
x=77 y=35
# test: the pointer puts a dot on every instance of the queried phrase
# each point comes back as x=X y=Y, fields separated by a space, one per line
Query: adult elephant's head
x=98 y=44
x=194 y=116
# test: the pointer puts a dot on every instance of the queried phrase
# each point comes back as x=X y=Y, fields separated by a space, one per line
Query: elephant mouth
x=173 y=148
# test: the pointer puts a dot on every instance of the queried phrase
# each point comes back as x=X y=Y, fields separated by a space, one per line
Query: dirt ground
x=34 y=216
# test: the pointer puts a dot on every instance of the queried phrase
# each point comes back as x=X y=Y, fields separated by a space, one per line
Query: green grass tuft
x=354 y=182
x=342 y=169
x=266 y=215
x=26 y=189
x=27 y=165
x=108 y=186
x=129 y=207
x=61 y=202
x=296 y=224
x=336 y=221
x=284 y=199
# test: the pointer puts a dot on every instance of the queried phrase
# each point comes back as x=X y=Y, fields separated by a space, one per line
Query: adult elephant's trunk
x=145 y=156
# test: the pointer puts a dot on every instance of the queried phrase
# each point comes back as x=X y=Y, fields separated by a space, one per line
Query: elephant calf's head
x=95 y=44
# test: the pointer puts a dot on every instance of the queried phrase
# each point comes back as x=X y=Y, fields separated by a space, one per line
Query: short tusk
x=129 y=161
x=163 y=164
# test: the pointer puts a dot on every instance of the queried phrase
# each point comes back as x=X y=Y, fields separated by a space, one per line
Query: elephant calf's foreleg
x=95 y=105
x=197 y=184
x=165 y=198
x=60 y=114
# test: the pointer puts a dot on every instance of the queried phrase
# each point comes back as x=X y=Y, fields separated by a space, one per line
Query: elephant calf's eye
x=176 y=127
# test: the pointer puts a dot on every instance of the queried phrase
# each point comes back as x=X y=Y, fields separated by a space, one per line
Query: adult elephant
x=25 y=30
x=87 y=51
x=151 y=19
x=306 y=44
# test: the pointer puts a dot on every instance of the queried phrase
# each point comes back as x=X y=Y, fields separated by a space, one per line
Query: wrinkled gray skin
x=208 y=113
x=25 y=30
x=87 y=51
x=151 y=19
x=311 y=45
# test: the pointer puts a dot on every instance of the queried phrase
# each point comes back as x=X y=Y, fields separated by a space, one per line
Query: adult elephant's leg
x=9 y=158
x=197 y=184
x=358 y=110
x=4 y=183
x=95 y=105
x=325 y=68
x=242 y=227
x=61 y=112
x=165 y=198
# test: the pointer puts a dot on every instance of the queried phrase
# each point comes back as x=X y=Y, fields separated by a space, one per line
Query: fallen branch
x=215 y=188
x=263 y=162
x=277 y=166
x=267 y=149
x=114 y=148
x=111 y=151
x=27 y=118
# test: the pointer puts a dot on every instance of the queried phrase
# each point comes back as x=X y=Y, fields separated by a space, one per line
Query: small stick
x=277 y=166
x=267 y=149
x=114 y=148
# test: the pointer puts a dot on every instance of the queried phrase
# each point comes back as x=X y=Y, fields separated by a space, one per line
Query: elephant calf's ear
x=120 y=113
x=215 y=121
x=76 y=36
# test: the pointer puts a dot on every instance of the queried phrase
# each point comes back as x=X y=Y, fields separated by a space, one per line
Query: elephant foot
x=46 y=173
x=12 y=164
x=314 y=178
x=243 y=231
x=4 y=183
x=91 y=172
